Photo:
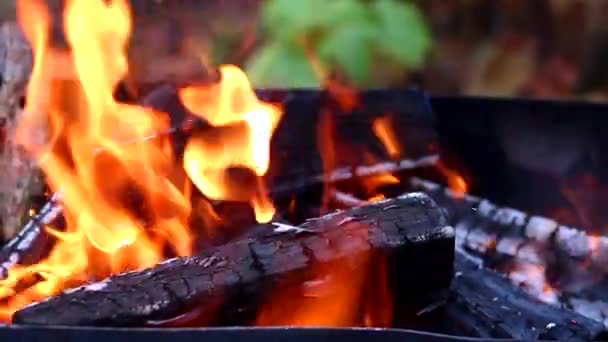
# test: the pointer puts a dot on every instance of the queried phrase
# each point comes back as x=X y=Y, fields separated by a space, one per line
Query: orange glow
x=245 y=127
x=383 y=129
x=351 y=292
x=455 y=180
x=88 y=162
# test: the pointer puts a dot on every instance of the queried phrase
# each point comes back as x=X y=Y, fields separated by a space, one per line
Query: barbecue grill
x=519 y=154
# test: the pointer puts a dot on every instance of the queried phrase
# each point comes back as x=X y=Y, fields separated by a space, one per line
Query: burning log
x=485 y=304
x=410 y=227
x=556 y=264
x=21 y=179
x=29 y=245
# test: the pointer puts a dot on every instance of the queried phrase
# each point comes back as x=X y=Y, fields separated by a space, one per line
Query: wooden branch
x=485 y=304
x=404 y=229
x=31 y=244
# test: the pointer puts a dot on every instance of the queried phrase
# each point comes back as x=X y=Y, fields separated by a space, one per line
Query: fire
x=383 y=129
x=349 y=292
x=246 y=127
x=125 y=204
x=455 y=180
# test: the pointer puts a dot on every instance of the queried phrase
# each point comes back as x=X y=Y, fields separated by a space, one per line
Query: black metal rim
x=292 y=334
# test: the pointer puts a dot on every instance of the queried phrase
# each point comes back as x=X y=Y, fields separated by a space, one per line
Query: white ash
x=573 y=241
x=532 y=279
x=148 y=309
x=510 y=216
x=485 y=208
x=170 y=261
x=286 y=228
x=462 y=230
x=530 y=252
x=52 y=213
x=377 y=168
x=339 y=174
x=97 y=286
x=424 y=184
x=346 y=220
x=540 y=228
x=508 y=246
x=596 y=310
x=27 y=240
x=480 y=240
x=13 y=258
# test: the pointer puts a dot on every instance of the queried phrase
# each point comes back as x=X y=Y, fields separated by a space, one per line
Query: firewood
x=485 y=304
x=21 y=179
x=410 y=231
x=31 y=244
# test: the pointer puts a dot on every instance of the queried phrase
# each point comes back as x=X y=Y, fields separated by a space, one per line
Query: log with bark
x=21 y=179
x=486 y=304
x=409 y=231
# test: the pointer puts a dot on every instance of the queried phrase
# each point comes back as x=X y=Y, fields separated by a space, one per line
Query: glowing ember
x=87 y=160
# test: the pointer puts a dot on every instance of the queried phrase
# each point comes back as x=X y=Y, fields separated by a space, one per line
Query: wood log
x=532 y=251
x=485 y=304
x=21 y=179
x=403 y=229
x=31 y=244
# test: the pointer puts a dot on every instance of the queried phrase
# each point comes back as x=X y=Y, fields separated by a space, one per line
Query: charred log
x=485 y=304
x=554 y=263
x=30 y=245
x=407 y=228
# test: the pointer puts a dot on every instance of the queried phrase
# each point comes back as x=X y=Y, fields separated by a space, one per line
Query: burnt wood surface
x=410 y=231
x=484 y=303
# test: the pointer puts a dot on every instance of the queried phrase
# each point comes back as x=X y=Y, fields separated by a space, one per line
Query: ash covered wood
x=553 y=263
x=410 y=231
x=485 y=304
x=32 y=242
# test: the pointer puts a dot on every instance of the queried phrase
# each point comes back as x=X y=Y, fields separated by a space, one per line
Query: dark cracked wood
x=486 y=304
x=410 y=231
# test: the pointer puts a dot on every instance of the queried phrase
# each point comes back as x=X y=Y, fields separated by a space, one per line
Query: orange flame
x=97 y=155
x=383 y=129
x=455 y=180
x=350 y=292
x=243 y=140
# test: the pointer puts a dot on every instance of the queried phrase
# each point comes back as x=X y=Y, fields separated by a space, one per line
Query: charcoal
x=486 y=304
x=410 y=227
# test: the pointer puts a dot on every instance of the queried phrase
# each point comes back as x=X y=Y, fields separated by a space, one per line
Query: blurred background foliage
x=304 y=39
x=534 y=48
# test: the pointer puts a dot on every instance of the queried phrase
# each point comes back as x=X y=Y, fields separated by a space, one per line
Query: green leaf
x=289 y=19
x=281 y=65
x=402 y=33
x=349 y=49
